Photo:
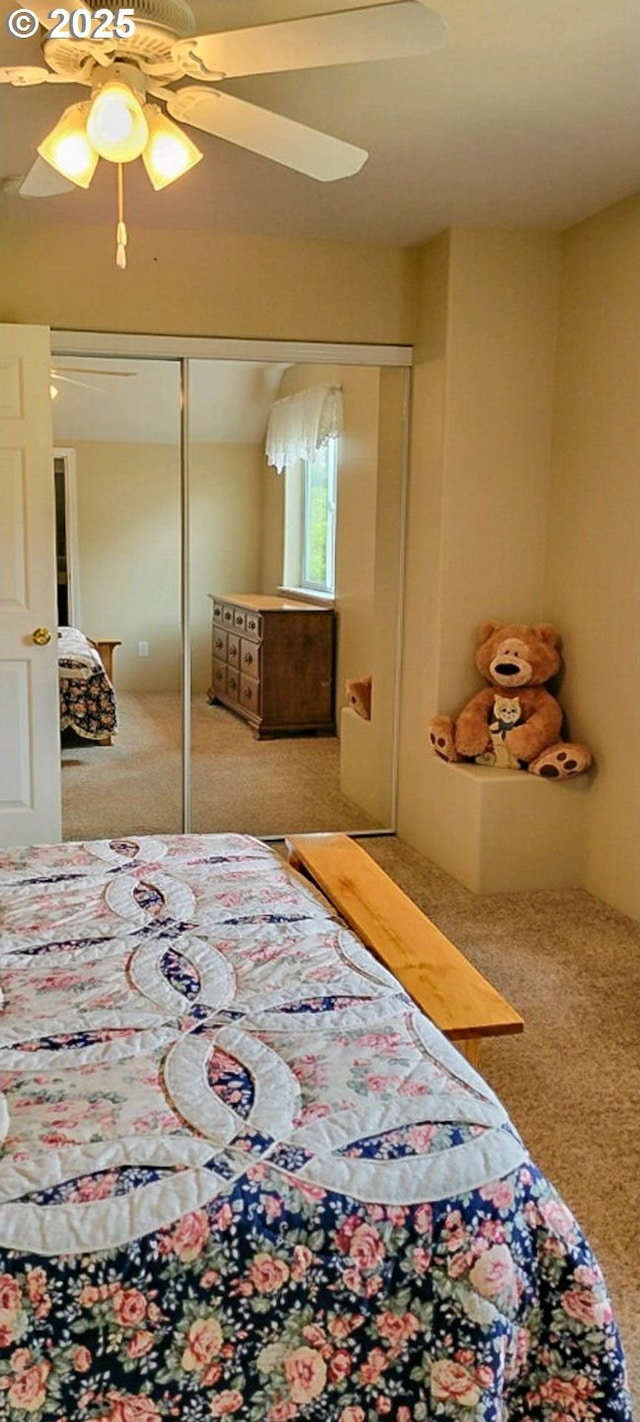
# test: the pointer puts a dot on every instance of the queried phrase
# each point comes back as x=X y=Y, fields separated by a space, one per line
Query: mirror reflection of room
x=116 y=436
x=288 y=544
x=292 y=698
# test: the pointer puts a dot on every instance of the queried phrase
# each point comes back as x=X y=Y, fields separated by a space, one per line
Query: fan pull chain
x=121 y=230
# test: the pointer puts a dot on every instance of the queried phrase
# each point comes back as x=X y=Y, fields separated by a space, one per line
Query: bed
x=243 y=1176
x=87 y=697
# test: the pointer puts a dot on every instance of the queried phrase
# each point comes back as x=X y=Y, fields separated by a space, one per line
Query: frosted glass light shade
x=169 y=153
x=116 y=125
x=68 y=149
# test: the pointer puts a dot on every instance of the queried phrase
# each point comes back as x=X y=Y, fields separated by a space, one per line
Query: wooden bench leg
x=471 y=1048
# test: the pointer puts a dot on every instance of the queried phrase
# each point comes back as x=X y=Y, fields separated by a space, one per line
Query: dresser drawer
x=233 y=649
x=250 y=693
x=219 y=644
x=249 y=657
x=253 y=625
x=227 y=615
x=218 y=608
x=239 y=619
x=218 y=679
x=233 y=684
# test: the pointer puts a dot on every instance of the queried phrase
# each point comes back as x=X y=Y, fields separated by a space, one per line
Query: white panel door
x=29 y=715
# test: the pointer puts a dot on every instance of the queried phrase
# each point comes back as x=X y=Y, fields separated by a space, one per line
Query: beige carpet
x=255 y=787
x=569 y=963
x=571 y=1081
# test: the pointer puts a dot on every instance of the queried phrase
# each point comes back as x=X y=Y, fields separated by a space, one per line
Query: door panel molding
x=29 y=712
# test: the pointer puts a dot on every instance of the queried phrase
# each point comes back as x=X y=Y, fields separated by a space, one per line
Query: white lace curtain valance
x=301 y=424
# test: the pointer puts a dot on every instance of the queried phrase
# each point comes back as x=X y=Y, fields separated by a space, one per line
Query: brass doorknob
x=41 y=636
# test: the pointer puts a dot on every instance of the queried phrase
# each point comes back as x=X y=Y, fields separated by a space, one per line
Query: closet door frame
x=183 y=349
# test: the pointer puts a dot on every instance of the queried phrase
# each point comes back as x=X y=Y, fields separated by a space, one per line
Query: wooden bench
x=435 y=974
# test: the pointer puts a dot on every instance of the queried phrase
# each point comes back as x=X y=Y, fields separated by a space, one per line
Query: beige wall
x=226 y=535
x=129 y=549
x=366 y=747
x=206 y=284
x=592 y=548
x=478 y=500
x=523 y=504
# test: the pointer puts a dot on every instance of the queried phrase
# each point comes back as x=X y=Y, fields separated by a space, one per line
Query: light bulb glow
x=67 y=148
x=53 y=391
x=169 y=153
x=116 y=124
x=71 y=153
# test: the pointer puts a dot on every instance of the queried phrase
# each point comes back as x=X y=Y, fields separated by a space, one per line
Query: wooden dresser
x=272 y=662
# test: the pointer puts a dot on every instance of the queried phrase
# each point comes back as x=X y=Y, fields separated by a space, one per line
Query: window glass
x=318 y=520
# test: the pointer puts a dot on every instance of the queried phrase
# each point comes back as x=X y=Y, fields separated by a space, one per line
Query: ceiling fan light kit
x=118 y=123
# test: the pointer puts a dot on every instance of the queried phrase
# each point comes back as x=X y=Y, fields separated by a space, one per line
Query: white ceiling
x=229 y=401
x=529 y=116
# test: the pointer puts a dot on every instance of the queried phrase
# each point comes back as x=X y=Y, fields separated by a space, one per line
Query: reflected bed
x=87 y=697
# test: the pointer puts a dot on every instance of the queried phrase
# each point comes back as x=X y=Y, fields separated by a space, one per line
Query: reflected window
x=310 y=517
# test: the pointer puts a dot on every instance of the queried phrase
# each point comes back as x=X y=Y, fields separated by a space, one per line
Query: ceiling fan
x=154 y=47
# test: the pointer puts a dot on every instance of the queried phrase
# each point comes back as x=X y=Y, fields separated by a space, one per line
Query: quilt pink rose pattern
x=242 y=1176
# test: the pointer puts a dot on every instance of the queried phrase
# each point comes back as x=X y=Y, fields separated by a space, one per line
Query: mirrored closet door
x=117 y=471
x=244 y=591
x=294 y=592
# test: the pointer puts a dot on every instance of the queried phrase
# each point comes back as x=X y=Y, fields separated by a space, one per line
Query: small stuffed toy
x=513 y=722
x=359 y=696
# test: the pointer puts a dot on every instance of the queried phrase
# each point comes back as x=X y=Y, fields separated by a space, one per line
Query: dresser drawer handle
x=233 y=652
x=251 y=624
x=228 y=616
x=249 y=694
x=248 y=656
x=219 y=642
x=232 y=684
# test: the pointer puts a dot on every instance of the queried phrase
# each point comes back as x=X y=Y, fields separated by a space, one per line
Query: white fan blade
x=273 y=136
x=80 y=370
x=57 y=375
x=394 y=31
x=43 y=181
x=22 y=76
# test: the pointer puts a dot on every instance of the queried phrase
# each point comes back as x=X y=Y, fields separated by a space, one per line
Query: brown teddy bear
x=358 y=695
x=513 y=722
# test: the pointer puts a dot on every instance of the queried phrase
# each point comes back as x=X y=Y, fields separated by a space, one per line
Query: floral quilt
x=242 y=1176
x=87 y=698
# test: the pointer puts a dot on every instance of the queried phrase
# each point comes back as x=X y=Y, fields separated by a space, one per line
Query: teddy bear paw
x=561 y=761
x=441 y=737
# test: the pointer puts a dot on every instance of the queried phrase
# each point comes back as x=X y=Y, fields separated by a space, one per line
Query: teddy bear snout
x=508 y=670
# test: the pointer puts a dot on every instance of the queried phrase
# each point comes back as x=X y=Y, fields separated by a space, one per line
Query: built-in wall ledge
x=501 y=831
x=366 y=775
x=308 y=595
